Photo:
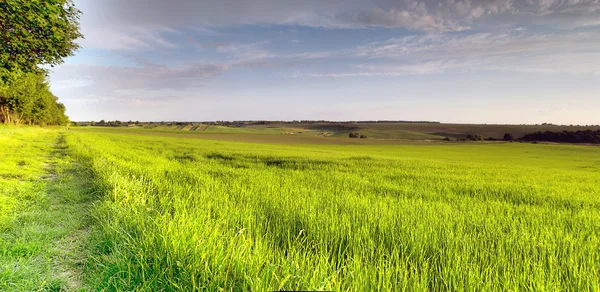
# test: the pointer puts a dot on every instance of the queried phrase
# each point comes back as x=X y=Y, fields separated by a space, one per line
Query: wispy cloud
x=427 y=68
x=481 y=44
x=416 y=18
x=189 y=46
x=111 y=38
x=515 y=50
x=438 y=16
x=146 y=77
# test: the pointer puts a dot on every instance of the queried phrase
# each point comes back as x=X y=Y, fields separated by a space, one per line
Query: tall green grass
x=187 y=214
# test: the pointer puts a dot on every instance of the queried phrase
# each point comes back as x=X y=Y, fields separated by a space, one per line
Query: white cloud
x=143 y=24
x=115 y=82
x=427 y=68
x=436 y=37
x=355 y=13
x=108 y=37
x=517 y=50
x=481 y=44
x=418 y=18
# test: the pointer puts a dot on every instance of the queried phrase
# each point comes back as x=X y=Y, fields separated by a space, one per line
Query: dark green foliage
x=25 y=98
x=353 y=135
x=363 y=136
x=474 y=138
x=508 y=137
x=587 y=136
x=37 y=32
x=34 y=33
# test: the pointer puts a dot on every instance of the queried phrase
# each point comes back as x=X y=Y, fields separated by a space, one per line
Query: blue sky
x=530 y=61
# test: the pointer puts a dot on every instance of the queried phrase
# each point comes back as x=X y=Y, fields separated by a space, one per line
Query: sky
x=472 y=61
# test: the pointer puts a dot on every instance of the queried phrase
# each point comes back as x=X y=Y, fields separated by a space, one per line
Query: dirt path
x=69 y=193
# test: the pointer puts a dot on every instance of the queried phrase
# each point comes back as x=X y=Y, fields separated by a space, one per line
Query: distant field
x=189 y=211
x=410 y=131
x=238 y=135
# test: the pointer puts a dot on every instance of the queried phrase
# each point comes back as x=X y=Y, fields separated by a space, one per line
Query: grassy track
x=44 y=204
x=190 y=214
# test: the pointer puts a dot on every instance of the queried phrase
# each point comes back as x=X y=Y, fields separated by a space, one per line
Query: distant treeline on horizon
x=587 y=136
x=118 y=123
x=249 y=122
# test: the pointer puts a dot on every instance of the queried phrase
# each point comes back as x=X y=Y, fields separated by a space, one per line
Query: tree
x=474 y=137
x=34 y=33
x=353 y=135
x=25 y=98
x=508 y=137
x=37 y=32
x=587 y=136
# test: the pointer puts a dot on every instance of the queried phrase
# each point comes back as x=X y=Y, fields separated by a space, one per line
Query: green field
x=133 y=209
x=380 y=131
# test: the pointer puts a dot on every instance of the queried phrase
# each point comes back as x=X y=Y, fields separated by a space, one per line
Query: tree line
x=587 y=136
x=34 y=33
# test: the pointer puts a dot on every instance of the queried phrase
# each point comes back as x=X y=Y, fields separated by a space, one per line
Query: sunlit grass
x=189 y=214
x=43 y=209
